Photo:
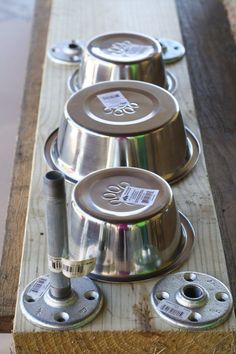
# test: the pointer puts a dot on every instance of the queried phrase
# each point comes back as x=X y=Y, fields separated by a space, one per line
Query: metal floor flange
x=81 y=307
x=172 y=51
x=192 y=300
x=66 y=52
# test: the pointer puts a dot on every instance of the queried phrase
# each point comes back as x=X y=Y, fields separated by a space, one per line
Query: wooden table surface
x=211 y=61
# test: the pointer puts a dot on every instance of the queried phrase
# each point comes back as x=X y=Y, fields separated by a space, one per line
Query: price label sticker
x=74 y=269
x=71 y=268
x=174 y=310
x=54 y=264
x=39 y=287
x=139 y=196
x=135 y=49
x=113 y=100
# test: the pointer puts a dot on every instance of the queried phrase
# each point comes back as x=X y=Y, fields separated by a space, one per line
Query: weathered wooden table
x=127 y=323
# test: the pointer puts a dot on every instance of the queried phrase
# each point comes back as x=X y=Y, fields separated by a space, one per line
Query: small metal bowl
x=122 y=56
x=122 y=123
x=127 y=218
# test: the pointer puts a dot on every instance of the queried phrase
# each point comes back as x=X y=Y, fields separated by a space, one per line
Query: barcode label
x=113 y=100
x=139 y=196
x=54 y=264
x=174 y=310
x=135 y=49
x=73 y=269
x=39 y=287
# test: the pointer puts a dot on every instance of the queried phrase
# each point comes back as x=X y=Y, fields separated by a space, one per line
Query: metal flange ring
x=67 y=52
x=192 y=300
x=83 y=305
x=172 y=50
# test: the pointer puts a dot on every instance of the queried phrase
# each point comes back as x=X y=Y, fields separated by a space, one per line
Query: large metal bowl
x=122 y=123
x=127 y=218
x=122 y=56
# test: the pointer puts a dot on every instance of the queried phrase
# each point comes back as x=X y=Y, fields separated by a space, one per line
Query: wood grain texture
x=15 y=224
x=168 y=342
x=212 y=66
x=127 y=306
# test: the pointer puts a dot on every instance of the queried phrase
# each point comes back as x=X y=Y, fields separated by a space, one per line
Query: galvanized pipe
x=57 y=230
x=50 y=302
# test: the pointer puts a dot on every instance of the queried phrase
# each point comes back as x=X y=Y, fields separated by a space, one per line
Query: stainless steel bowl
x=127 y=218
x=122 y=123
x=122 y=56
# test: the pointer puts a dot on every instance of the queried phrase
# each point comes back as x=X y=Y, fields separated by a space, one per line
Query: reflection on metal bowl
x=122 y=123
x=127 y=218
x=122 y=56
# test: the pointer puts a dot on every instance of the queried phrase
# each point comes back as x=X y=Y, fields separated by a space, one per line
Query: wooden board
x=194 y=28
x=127 y=306
x=15 y=224
x=216 y=106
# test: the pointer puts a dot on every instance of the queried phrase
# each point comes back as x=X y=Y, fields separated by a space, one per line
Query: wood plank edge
x=211 y=58
x=125 y=342
x=6 y=323
x=17 y=208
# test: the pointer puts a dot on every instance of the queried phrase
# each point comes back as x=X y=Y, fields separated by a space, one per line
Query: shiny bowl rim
x=74 y=87
x=194 y=147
